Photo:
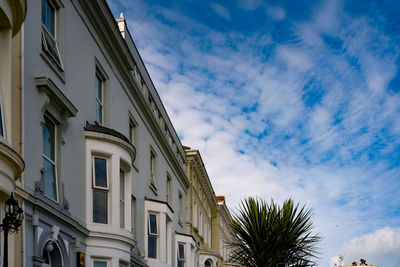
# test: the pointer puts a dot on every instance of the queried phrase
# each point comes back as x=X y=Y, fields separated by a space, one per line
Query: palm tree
x=267 y=235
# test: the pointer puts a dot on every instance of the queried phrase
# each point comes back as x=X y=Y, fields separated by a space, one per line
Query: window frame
x=153 y=168
x=122 y=199
x=99 y=79
x=94 y=173
x=107 y=261
x=180 y=207
x=54 y=162
x=2 y=122
x=55 y=5
x=179 y=258
x=100 y=188
x=155 y=235
x=169 y=190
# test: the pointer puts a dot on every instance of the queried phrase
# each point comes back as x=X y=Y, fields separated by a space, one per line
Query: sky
x=288 y=99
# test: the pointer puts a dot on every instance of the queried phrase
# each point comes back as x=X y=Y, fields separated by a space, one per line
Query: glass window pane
x=121 y=185
x=48 y=12
x=99 y=112
x=121 y=214
x=181 y=264
x=153 y=224
x=50 y=186
x=100 y=264
x=99 y=88
x=100 y=172
x=181 y=251
x=48 y=138
x=100 y=206
x=152 y=247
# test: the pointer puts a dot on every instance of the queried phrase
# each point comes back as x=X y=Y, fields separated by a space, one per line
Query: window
x=121 y=199
x=132 y=132
x=133 y=215
x=152 y=236
x=49 y=158
x=99 y=99
x=153 y=169
x=207 y=263
x=195 y=214
x=49 y=44
x=99 y=263
x=180 y=211
x=181 y=255
x=169 y=196
x=2 y=133
x=100 y=190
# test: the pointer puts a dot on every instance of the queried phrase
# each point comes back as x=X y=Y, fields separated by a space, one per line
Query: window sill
x=53 y=66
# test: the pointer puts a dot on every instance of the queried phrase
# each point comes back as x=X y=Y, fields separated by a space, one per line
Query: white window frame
x=98 y=77
x=169 y=190
x=133 y=215
x=122 y=199
x=153 y=168
x=101 y=188
x=179 y=258
x=53 y=37
x=180 y=207
x=107 y=261
x=157 y=235
x=53 y=162
x=94 y=173
x=3 y=133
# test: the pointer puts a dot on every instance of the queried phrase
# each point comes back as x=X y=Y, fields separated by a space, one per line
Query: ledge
x=57 y=97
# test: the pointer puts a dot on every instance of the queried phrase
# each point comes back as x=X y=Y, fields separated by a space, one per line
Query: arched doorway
x=52 y=255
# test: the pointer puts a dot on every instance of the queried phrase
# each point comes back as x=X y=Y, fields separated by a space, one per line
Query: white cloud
x=276 y=12
x=379 y=248
x=221 y=11
x=288 y=148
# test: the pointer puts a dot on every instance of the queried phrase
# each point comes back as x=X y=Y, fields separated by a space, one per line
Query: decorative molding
x=56 y=97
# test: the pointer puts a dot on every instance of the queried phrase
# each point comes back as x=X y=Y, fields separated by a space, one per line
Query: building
x=88 y=148
x=221 y=229
x=201 y=203
x=104 y=183
x=207 y=218
x=12 y=15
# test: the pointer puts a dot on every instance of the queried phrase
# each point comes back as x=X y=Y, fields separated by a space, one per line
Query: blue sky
x=287 y=99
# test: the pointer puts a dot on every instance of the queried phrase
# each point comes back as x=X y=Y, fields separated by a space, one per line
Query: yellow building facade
x=12 y=15
x=207 y=217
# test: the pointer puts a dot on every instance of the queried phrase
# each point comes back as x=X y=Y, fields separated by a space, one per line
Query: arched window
x=52 y=255
x=207 y=263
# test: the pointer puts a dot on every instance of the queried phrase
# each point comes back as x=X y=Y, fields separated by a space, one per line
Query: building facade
x=88 y=148
x=104 y=179
x=207 y=219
